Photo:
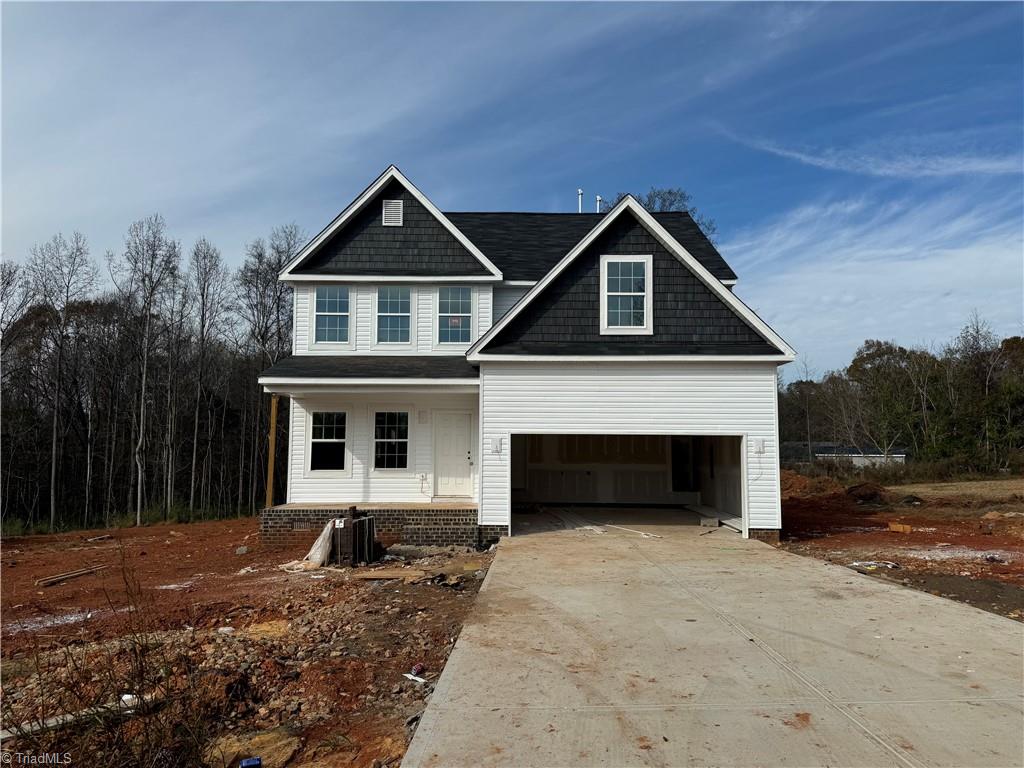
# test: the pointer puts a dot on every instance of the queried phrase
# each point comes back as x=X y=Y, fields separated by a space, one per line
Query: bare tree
x=210 y=283
x=61 y=274
x=662 y=199
x=149 y=260
x=15 y=296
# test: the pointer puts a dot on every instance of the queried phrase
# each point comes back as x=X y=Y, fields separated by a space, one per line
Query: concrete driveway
x=612 y=649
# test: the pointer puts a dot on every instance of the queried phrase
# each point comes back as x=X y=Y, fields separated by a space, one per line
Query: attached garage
x=631 y=432
x=698 y=473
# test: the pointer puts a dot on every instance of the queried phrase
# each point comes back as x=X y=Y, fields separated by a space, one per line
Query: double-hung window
x=626 y=295
x=327 y=441
x=391 y=440
x=332 y=314
x=454 y=315
x=393 y=314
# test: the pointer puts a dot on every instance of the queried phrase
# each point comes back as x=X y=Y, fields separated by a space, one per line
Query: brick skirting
x=767 y=535
x=280 y=526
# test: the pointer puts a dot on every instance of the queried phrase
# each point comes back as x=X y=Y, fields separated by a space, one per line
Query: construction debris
x=873 y=565
x=317 y=555
x=409 y=575
x=59 y=578
x=104 y=537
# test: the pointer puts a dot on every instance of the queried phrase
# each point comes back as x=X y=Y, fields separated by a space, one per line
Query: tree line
x=958 y=408
x=132 y=397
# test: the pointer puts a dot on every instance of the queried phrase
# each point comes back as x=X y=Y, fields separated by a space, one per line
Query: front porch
x=417 y=523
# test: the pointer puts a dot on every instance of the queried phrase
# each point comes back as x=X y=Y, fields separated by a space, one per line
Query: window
x=454 y=315
x=626 y=295
x=392 y=315
x=331 y=324
x=327 y=441
x=391 y=440
x=392 y=213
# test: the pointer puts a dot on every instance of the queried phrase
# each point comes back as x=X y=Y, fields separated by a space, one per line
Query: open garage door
x=699 y=473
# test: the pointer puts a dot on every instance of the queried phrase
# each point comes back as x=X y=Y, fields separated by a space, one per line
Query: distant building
x=838 y=452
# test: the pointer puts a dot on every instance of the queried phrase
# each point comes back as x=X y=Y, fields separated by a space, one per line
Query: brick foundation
x=767 y=535
x=280 y=526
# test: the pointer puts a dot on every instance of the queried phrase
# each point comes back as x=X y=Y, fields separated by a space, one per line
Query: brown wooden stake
x=271 y=451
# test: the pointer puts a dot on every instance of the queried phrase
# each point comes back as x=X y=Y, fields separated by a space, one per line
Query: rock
x=993 y=515
x=242 y=551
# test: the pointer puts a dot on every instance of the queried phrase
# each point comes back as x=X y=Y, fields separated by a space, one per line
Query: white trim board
x=391 y=173
x=673 y=246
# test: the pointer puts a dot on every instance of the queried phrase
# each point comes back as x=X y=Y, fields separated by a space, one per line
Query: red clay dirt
x=317 y=655
x=189 y=571
x=964 y=541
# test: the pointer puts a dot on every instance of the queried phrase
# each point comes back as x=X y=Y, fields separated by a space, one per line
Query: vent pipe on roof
x=579 y=200
x=597 y=209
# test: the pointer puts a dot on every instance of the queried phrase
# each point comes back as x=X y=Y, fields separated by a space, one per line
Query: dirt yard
x=307 y=667
x=964 y=541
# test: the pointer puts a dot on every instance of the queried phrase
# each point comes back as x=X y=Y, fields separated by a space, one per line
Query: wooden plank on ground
x=57 y=578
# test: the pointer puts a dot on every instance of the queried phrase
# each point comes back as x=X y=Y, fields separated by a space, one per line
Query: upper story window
x=454 y=315
x=392 y=216
x=327 y=441
x=393 y=315
x=332 y=314
x=626 y=283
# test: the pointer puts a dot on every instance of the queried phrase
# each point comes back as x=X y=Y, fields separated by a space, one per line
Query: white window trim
x=371 y=420
x=647 y=329
x=307 y=470
x=396 y=345
x=435 y=331
x=313 y=344
x=401 y=212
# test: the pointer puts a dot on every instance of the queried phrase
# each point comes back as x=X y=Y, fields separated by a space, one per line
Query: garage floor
x=611 y=649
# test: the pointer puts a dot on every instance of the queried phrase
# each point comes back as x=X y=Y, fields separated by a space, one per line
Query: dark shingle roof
x=525 y=246
x=372 y=367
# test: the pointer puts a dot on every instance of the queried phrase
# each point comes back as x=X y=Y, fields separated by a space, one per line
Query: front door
x=453 y=454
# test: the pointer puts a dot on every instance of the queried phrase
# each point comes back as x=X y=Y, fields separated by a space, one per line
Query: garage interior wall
x=602 y=469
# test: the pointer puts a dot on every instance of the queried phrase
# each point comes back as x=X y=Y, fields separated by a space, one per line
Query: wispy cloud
x=912 y=158
x=830 y=274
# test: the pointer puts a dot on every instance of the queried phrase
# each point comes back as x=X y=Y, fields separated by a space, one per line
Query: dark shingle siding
x=422 y=246
x=688 y=318
x=525 y=246
x=373 y=366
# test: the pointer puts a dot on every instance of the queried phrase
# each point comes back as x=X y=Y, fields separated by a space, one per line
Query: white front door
x=453 y=453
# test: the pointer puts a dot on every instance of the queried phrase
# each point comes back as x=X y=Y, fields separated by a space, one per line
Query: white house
x=450 y=367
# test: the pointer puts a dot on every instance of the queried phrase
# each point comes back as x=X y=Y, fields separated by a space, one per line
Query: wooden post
x=271 y=450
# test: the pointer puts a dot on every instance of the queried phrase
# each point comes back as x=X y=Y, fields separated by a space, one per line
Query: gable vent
x=392 y=213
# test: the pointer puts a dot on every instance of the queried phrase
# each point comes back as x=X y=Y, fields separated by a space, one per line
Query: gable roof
x=525 y=246
x=651 y=224
x=300 y=267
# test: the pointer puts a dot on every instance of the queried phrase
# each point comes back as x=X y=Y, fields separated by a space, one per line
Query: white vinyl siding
x=361 y=483
x=362 y=322
x=642 y=398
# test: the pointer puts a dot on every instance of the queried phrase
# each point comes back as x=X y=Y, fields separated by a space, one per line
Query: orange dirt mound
x=797 y=486
x=868 y=493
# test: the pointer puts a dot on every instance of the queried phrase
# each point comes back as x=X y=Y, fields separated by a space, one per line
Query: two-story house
x=449 y=367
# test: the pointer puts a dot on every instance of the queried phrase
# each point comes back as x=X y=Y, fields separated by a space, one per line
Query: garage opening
x=700 y=475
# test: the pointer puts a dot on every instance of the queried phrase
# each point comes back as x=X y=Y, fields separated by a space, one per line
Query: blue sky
x=863 y=161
